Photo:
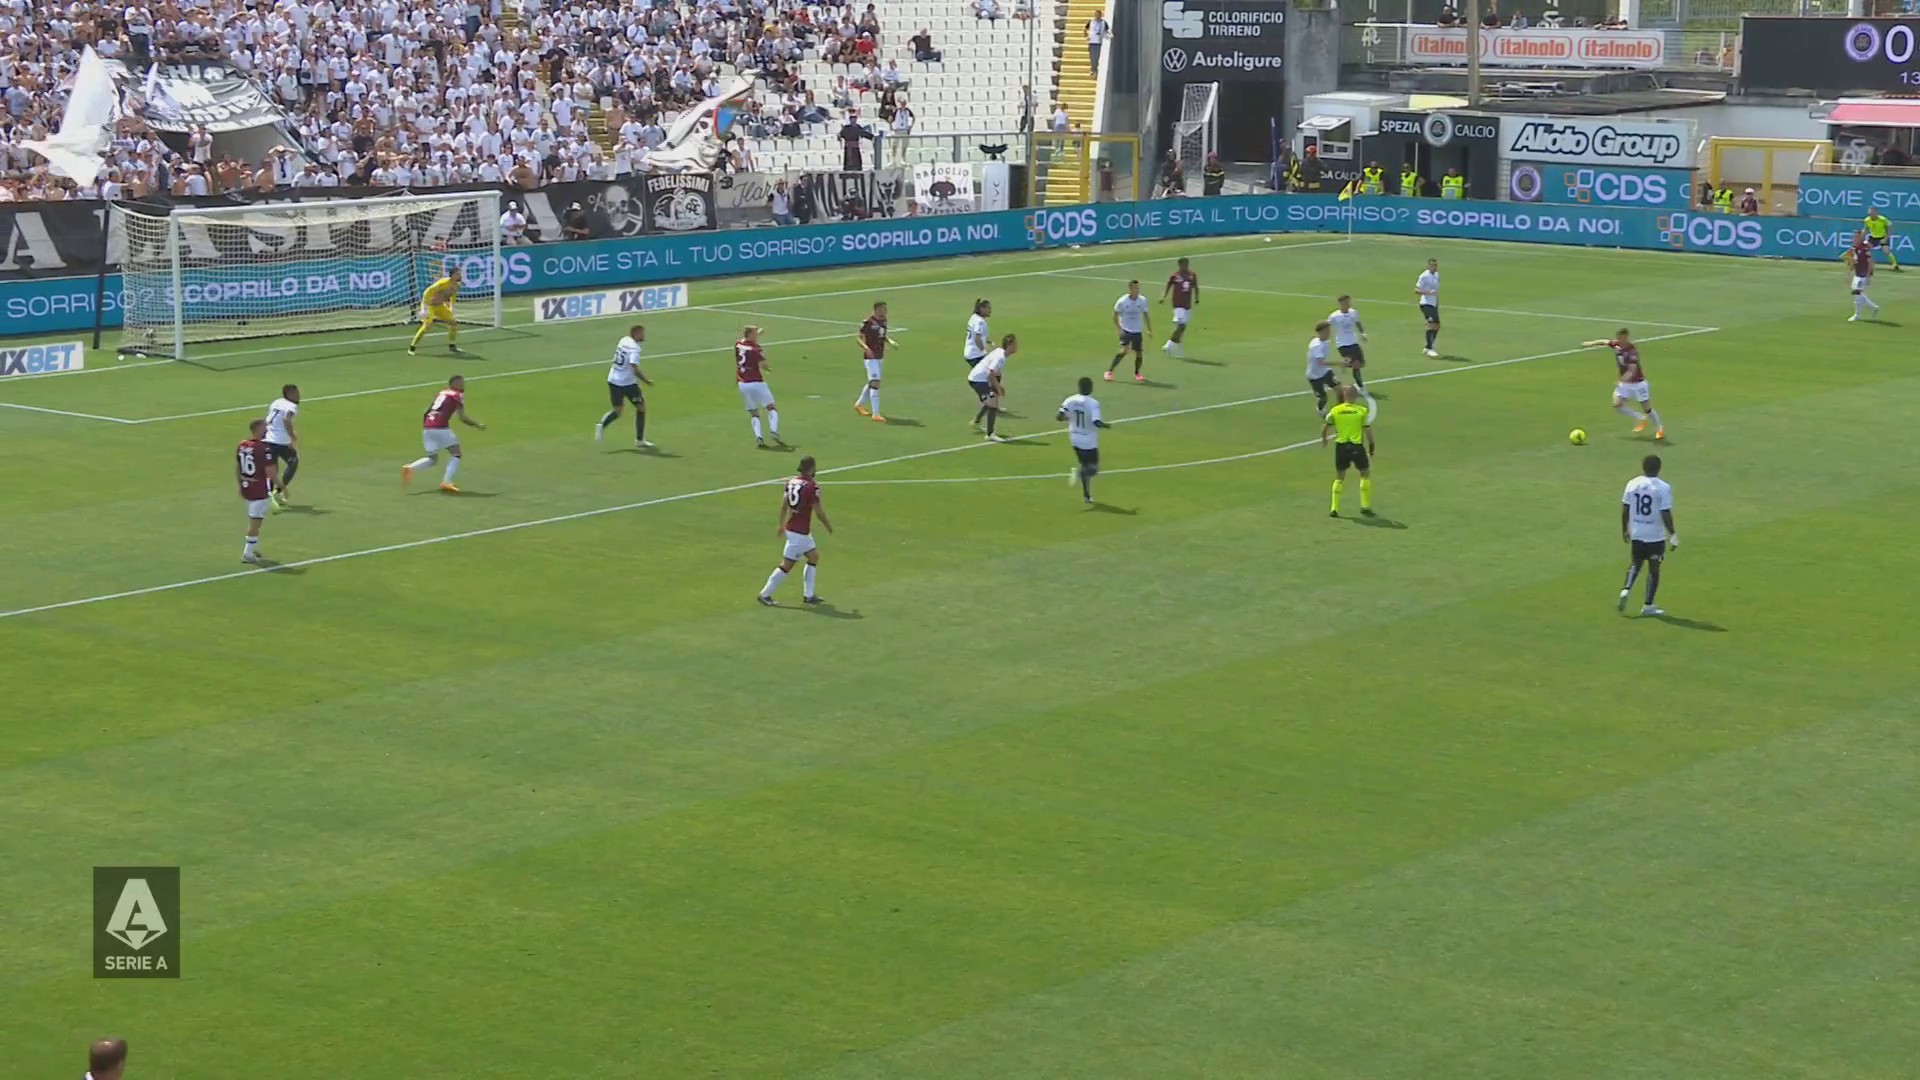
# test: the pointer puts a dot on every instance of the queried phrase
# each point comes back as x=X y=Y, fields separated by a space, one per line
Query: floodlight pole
x=1473 y=53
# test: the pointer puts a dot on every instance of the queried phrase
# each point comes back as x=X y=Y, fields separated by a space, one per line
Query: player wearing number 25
x=436 y=306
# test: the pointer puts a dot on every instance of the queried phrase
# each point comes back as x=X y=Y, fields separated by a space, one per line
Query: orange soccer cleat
x=406 y=475
x=1639 y=427
x=1659 y=434
x=862 y=410
x=449 y=489
x=878 y=419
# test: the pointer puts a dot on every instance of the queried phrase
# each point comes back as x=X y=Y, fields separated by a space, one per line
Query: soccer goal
x=1198 y=130
x=196 y=275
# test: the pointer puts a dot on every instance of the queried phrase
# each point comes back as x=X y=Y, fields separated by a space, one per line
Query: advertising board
x=1568 y=48
x=1222 y=40
x=1572 y=140
x=1596 y=185
x=1848 y=196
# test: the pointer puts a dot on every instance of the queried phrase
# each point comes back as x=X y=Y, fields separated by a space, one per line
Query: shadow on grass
x=822 y=610
x=310 y=511
x=903 y=421
x=463 y=493
x=644 y=451
x=1375 y=522
x=1690 y=624
x=1108 y=508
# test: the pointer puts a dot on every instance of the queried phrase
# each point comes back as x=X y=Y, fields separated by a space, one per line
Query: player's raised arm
x=1597 y=343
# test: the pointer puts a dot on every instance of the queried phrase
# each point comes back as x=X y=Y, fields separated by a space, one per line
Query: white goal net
x=1197 y=132
x=196 y=275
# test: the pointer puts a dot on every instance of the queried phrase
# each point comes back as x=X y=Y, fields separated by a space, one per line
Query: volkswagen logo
x=1174 y=60
x=1438 y=129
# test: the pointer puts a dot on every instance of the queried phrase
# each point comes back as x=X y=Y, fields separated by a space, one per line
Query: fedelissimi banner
x=50 y=305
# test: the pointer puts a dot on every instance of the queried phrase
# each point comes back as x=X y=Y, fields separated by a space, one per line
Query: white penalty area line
x=64 y=412
x=688 y=496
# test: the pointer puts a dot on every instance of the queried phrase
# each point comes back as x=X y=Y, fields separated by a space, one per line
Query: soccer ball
x=1578 y=436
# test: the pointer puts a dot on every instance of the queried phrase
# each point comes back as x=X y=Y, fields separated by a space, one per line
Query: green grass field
x=522 y=783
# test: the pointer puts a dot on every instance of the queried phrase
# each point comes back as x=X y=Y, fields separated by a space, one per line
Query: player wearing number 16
x=436 y=306
x=256 y=471
x=436 y=433
x=1646 y=524
x=799 y=502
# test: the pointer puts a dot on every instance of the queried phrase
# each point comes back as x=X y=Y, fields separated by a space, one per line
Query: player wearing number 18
x=1646 y=524
x=256 y=471
x=1352 y=448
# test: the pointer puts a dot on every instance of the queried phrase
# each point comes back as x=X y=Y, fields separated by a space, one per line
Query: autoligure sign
x=1214 y=40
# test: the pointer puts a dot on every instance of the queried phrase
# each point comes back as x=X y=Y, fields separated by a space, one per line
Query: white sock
x=253 y=542
x=807 y=577
x=1655 y=417
x=453 y=466
x=773 y=581
x=773 y=421
x=756 y=424
x=1373 y=407
x=874 y=396
x=1859 y=304
x=1629 y=412
x=861 y=398
x=421 y=463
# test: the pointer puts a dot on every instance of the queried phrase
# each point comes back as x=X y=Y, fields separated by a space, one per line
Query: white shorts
x=798 y=545
x=1181 y=315
x=1860 y=283
x=873 y=369
x=257 y=508
x=1633 y=391
x=436 y=439
x=756 y=395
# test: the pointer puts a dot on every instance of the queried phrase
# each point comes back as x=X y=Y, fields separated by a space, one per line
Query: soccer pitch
x=521 y=782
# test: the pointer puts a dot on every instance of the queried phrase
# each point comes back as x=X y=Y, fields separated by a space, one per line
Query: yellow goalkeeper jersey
x=440 y=294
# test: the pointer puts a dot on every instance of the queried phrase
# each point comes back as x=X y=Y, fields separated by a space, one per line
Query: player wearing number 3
x=436 y=306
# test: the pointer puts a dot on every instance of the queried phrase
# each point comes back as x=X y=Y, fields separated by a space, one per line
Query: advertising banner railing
x=1437 y=46
x=43 y=306
x=1574 y=140
x=1849 y=195
x=1599 y=185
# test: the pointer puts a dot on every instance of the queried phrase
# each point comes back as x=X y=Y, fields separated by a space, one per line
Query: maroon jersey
x=873 y=337
x=1862 y=258
x=1627 y=358
x=747 y=359
x=440 y=413
x=1183 y=283
x=802 y=496
x=256 y=475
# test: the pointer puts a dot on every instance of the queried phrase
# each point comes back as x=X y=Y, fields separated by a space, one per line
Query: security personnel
x=1213 y=176
x=1373 y=179
x=1723 y=199
x=1453 y=185
x=1295 y=181
x=1409 y=181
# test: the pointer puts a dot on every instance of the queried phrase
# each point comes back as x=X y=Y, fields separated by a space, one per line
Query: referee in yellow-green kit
x=1351 y=426
x=1880 y=234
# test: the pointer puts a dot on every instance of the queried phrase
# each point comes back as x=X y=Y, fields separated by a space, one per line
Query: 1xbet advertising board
x=1220 y=40
x=1840 y=195
x=1593 y=185
x=42 y=306
x=1830 y=54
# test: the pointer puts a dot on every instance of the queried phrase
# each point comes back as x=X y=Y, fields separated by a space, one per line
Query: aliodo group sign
x=1565 y=140
x=1539 y=48
x=1222 y=40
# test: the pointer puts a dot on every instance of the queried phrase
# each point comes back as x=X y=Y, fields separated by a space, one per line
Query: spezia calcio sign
x=1565 y=140
x=1215 y=40
x=1440 y=129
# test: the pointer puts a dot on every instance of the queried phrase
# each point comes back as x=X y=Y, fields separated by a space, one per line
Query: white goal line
x=582 y=515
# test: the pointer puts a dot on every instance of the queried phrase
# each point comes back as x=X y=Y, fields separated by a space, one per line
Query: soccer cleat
x=456 y=350
x=1640 y=427
x=759 y=443
x=411 y=351
x=813 y=600
x=862 y=410
x=1659 y=434
x=406 y=475
x=1854 y=317
x=1086 y=501
x=878 y=419
x=250 y=557
x=1109 y=376
x=449 y=489
x=996 y=437
x=1651 y=610
x=599 y=432
x=1167 y=348
x=279 y=501
x=1366 y=511
x=1137 y=377
x=766 y=601
x=1073 y=476
x=1433 y=354
x=642 y=444
x=1622 y=605
x=1333 y=513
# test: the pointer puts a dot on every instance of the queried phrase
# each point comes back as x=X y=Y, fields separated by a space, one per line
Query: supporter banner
x=49 y=305
x=208 y=93
x=678 y=202
x=1829 y=54
x=50 y=238
x=1546 y=182
x=1539 y=48
x=1222 y=40
x=944 y=189
x=881 y=192
x=1576 y=141
x=1846 y=196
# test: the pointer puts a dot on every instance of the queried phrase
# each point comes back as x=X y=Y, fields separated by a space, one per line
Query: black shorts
x=981 y=390
x=1324 y=383
x=283 y=452
x=1649 y=550
x=617 y=394
x=971 y=360
x=1352 y=355
x=1130 y=340
x=1431 y=311
x=1350 y=455
x=1876 y=241
x=1089 y=456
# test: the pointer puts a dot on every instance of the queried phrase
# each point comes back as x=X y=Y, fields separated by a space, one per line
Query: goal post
x=1197 y=132
x=196 y=275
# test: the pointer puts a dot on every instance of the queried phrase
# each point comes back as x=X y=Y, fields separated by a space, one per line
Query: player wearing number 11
x=1082 y=414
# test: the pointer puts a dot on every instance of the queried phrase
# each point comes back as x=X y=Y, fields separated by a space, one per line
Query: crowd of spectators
x=414 y=93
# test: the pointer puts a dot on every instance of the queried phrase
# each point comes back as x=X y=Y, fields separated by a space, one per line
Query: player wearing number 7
x=1646 y=525
x=436 y=306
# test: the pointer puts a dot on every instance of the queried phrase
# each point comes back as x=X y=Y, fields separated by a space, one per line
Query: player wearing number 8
x=1646 y=525
x=256 y=472
x=799 y=502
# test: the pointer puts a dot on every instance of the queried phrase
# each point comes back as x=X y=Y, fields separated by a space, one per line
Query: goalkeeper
x=436 y=306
